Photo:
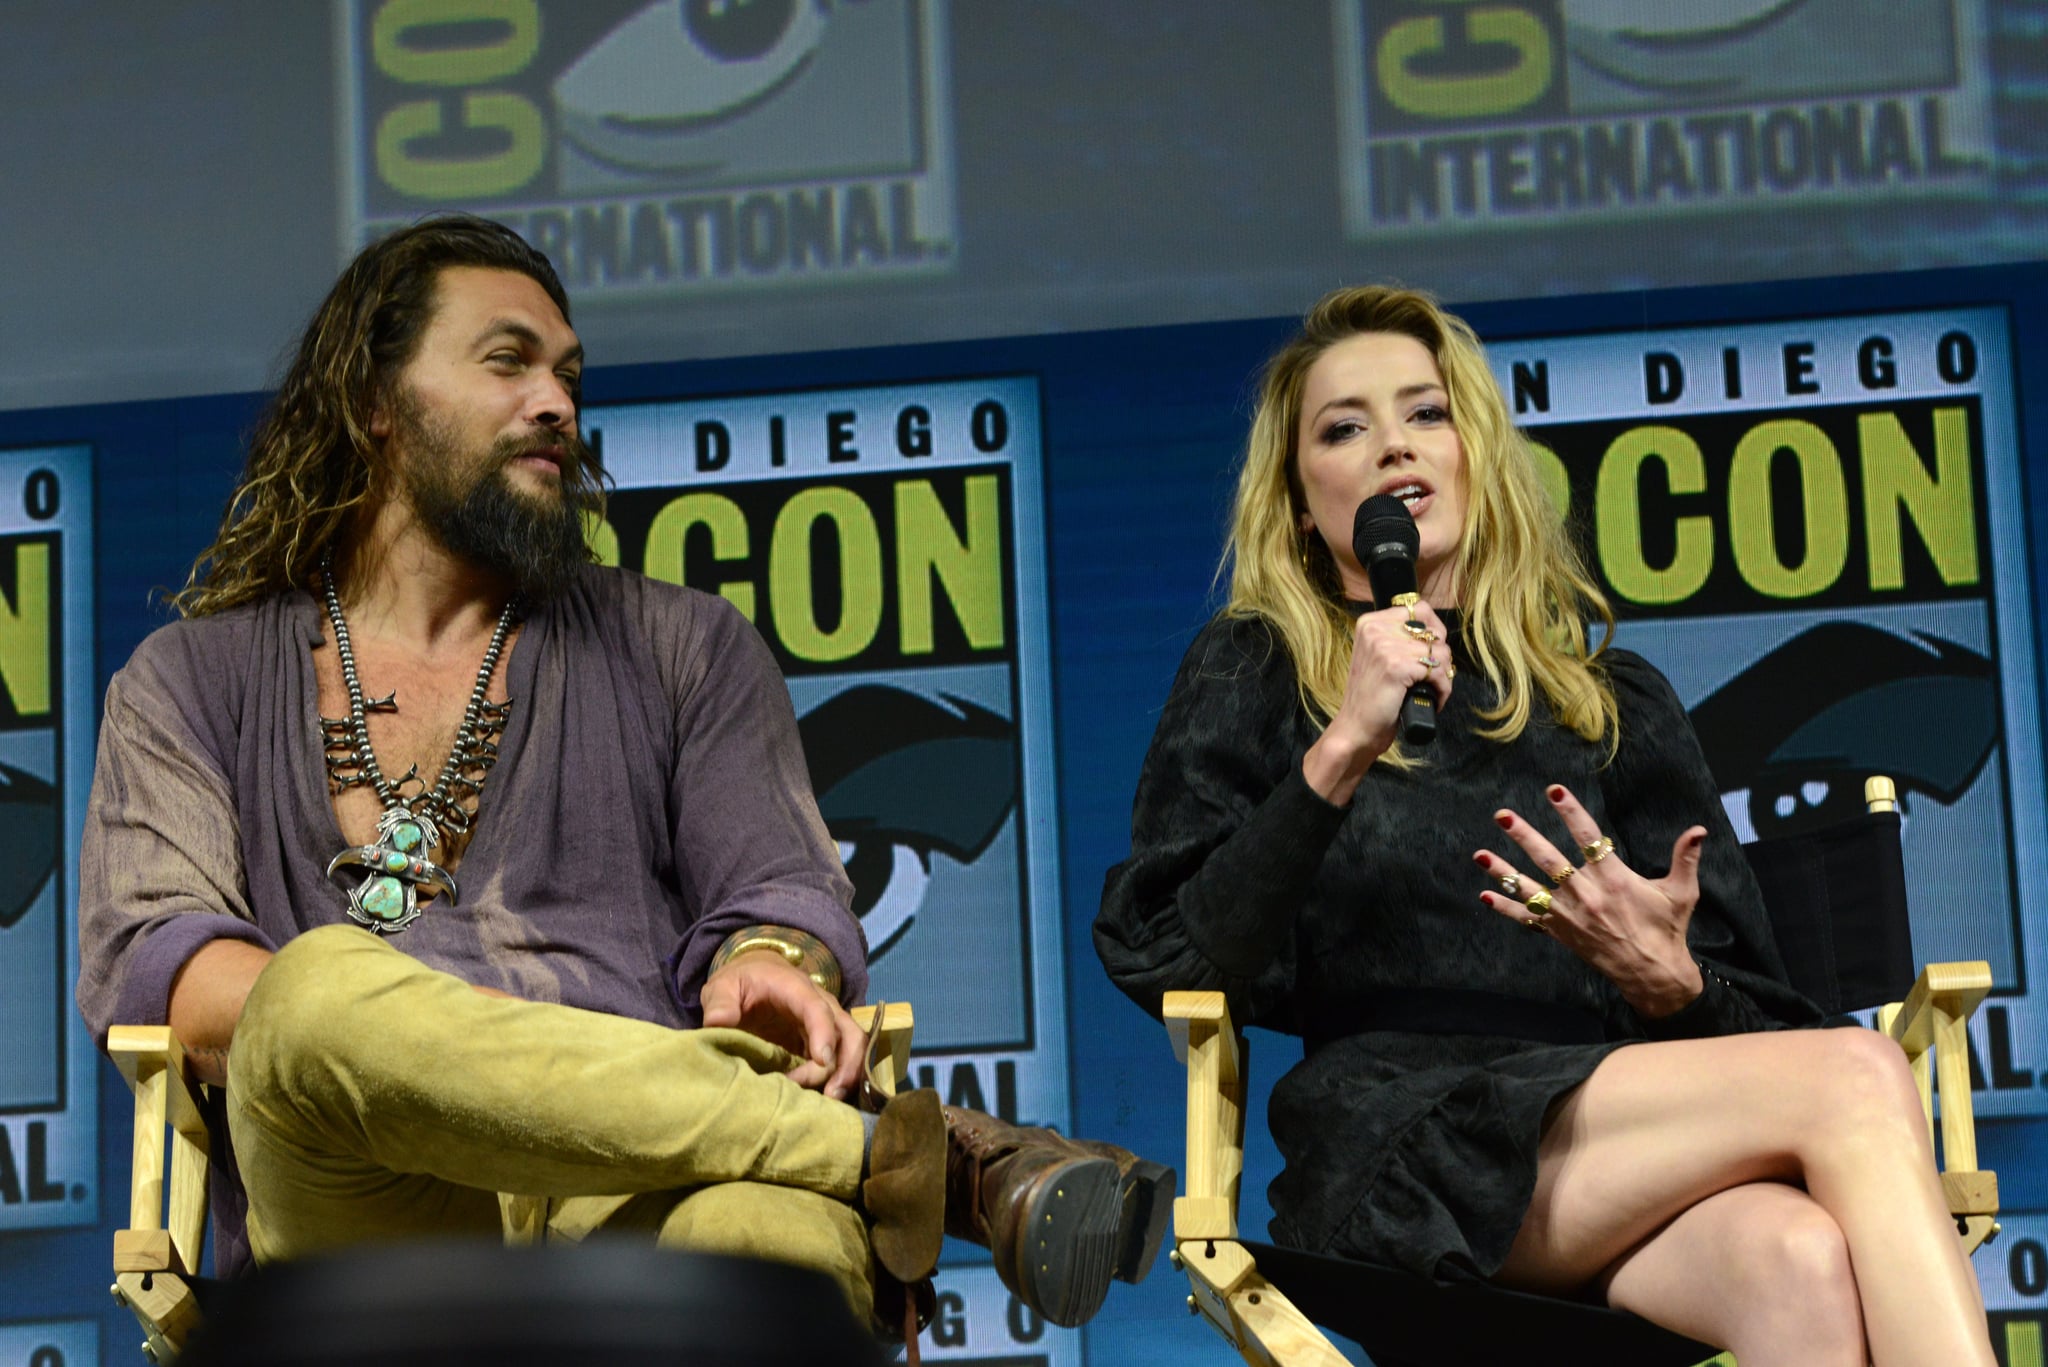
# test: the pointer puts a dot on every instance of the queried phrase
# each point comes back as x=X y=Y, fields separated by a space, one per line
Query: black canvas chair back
x=1837 y=899
x=608 y=1303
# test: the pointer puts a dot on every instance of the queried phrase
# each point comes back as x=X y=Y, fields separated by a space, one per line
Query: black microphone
x=1384 y=539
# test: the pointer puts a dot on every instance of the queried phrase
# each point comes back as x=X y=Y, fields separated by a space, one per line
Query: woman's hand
x=1630 y=928
x=1392 y=650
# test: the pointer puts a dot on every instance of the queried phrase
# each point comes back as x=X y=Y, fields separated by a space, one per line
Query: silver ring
x=1511 y=884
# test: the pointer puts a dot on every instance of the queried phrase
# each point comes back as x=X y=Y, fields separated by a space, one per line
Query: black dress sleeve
x=1226 y=835
x=1659 y=785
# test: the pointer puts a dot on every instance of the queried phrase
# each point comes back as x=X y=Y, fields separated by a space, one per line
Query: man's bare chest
x=411 y=736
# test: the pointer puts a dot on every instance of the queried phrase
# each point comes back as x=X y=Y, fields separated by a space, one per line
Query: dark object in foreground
x=457 y=1303
x=1406 y=1319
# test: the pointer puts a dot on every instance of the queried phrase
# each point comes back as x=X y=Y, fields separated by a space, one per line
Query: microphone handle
x=1417 y=722
x=1418 y=716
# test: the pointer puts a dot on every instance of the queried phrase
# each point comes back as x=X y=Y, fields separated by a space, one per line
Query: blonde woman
x=1611 y=1106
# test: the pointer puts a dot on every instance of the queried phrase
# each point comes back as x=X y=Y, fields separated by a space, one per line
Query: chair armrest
x=153 y=1064
x=1228 y=1290
x=1204 y=1039
x=891 y=1052
x=1932 y=1026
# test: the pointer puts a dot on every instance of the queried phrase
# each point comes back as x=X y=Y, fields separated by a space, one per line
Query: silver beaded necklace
x=396 y=866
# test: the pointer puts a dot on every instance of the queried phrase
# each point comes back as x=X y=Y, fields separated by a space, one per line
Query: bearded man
x=478 y=879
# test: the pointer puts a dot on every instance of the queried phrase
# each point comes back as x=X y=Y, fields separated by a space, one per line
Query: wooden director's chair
x=1835 y=897
x=156 y=1259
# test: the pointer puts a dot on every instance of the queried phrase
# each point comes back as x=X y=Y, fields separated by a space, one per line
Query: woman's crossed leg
x=1775 y=1193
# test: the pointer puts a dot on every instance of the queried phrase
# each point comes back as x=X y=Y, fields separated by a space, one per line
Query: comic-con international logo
x=659 y=147
x=1507 y=113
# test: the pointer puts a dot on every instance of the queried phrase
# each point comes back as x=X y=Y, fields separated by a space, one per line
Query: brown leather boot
x=1061 y=1216
x=1144 y=1194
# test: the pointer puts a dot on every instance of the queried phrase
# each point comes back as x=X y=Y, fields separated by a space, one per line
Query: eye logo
x=28 y=840
x=642 y=98
x=898 y=777
x=1792 y=737
x=1750 y=49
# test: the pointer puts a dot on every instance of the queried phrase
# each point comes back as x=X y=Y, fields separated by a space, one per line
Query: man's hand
x=761 y=993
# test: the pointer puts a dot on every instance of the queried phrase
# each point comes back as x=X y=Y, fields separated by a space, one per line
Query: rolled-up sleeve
x=160 y=861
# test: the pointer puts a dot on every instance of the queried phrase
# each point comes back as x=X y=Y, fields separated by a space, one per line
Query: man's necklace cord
x=396 y=867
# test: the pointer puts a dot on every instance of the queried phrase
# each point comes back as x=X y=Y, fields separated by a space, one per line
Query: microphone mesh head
x=1383 y=522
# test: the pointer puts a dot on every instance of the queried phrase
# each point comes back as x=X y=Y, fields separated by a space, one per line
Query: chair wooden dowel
x=188 y=1201
x=1952 y=1075
x=1199 y=1025
x=146 y=1190
x=892 y=1064
x=1230 y=1128
x=1922 y=1065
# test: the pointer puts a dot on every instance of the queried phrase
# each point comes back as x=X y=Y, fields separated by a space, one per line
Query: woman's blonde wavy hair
x=312 y=463
x=1525 y=595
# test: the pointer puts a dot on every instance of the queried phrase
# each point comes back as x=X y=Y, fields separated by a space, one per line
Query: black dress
x=1412 y=1147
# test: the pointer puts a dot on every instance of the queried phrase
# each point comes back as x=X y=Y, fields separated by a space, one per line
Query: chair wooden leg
x=1975 y=1231
x=1250 y=1312
x=165 y=1308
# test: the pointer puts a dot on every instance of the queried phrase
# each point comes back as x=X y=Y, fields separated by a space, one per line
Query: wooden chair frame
x=156 y=1258
x=1267 y=1330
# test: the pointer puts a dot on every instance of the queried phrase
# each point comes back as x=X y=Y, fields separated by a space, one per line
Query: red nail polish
x=1504 y=821
x=1556 y=793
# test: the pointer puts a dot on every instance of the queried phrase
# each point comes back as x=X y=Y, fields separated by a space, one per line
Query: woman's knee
x=1795 y=1267
x=1861 y=1081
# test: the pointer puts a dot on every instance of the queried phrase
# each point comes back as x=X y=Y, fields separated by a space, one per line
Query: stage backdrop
x=754 y=177
x=978 y=566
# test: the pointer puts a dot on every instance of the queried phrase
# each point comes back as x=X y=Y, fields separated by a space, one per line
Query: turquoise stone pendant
x=394 y=871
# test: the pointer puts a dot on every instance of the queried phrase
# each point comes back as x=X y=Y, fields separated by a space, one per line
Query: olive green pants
x=373 y=1098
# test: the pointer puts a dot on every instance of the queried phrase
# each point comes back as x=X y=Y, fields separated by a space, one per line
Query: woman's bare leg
x=1760 y=1269
x=1659 y=1128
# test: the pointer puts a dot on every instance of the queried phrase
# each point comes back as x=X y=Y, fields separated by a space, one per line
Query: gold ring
x=1598 y=850
x=1539 y=902
x=1534 y=923
x=1417 y=630
x=1511 y=884
x=1558 y=878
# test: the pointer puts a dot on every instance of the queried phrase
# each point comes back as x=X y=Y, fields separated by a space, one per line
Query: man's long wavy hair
x=1525 y=595
x=312 y=463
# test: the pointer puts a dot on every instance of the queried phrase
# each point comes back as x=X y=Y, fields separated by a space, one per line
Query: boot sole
x=1145 y=1198
x=1069 y=1240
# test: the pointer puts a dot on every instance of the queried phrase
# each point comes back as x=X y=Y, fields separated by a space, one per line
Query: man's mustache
x=575 y=454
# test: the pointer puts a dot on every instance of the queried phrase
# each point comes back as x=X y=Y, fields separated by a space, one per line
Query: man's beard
x=468 y=503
